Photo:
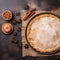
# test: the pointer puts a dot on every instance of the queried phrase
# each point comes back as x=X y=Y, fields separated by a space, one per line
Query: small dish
x=7 y=15
x=7 y=28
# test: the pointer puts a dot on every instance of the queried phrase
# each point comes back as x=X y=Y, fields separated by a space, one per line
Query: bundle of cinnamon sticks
x=28 y=14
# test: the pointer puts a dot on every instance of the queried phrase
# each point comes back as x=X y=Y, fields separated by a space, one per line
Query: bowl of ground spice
x=7 y=15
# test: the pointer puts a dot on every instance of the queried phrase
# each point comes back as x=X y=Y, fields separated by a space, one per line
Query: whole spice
x=32 y=14
x=15 y=33
x=33 y=9
x=14 y=40
x=19 y=29
x=26 y=46
x=26 y=7
x=28 y=14
x=17 y=13
x=14 y=22
x=18 y=20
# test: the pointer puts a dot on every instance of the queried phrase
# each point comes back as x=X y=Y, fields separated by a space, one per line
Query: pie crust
x=43 y=33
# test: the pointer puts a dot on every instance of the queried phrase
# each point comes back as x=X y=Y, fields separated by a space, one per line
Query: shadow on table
x=48 y=4
x=40 y=58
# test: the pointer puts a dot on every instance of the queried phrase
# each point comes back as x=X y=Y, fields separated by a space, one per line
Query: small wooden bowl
x=7 y=15
x=7 y=28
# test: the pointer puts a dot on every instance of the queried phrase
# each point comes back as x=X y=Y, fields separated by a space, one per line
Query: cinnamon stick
x=32 y=14
x=33 y=9
x=26 y=15
x=29 y=13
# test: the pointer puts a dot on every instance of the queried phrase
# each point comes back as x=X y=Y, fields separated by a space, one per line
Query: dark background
x=11 y=51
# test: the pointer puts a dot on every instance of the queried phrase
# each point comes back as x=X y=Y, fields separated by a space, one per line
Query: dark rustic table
x=9 y=50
